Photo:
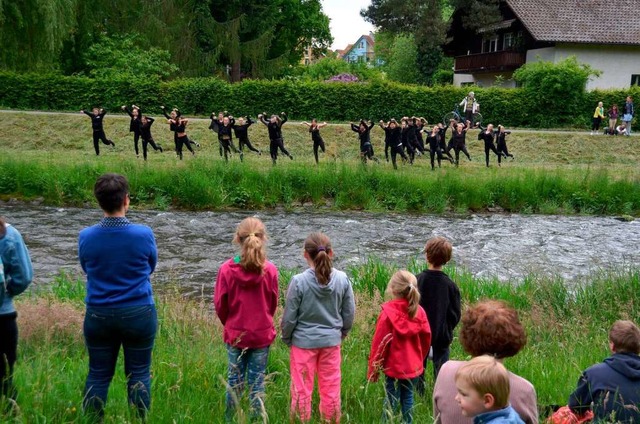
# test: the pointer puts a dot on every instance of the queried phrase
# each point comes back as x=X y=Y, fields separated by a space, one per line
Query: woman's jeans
x=105 y=330
x=8 y=350
x=251 y=363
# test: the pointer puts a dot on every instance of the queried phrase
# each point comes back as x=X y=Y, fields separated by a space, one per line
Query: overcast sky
x=346 y=23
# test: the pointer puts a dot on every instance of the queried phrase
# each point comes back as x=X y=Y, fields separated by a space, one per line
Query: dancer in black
x=459 y=141
x=242 y=134
x=364 y=135
x=134 y=125
x=147 y=138
x=488 y=135
x=97 y=116
x=442 y=142
x=178 y=125
x=393 y=137
x=420 y=124
x=224 y=130
x=406 y=137
x=387 y=132
x=214 y=126
x=314 y=130
x=274 y=125
x=502 y=143
x=433 y=140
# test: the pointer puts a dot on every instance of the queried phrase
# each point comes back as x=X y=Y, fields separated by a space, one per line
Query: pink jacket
x=245 y=302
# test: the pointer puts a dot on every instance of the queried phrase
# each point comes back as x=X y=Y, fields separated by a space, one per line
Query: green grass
x=566 y=324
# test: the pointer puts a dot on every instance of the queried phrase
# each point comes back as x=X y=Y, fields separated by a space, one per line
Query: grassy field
x=567 y=331
x=51 y=156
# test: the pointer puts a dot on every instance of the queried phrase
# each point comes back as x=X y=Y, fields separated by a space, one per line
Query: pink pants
x=305 y=363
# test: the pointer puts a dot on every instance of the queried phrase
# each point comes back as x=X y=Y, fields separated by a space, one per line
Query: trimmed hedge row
x=302 y=100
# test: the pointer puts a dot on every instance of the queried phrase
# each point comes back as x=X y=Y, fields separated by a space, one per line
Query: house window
x=508 y=41
x=362 y=44
x=635 y=80
x=490 y=45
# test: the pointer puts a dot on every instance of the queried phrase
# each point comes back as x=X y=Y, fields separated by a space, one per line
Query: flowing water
x=192 y=245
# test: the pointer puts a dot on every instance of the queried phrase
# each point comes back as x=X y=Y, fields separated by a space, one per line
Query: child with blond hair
x=483 y=392
x=400 y=344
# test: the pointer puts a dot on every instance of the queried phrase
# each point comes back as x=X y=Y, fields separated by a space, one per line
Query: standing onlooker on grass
x=400 y=344
x=613 y=114
x=440 y=299
x=16 y=274
x=470 y=106
x=627 y=117
x=246 y=298
x=487 y=328
x=598 y=116
x=318 y=314
x=118 y=258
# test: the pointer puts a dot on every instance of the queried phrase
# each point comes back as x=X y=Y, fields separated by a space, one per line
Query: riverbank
x=566 y=325
x=51 y=157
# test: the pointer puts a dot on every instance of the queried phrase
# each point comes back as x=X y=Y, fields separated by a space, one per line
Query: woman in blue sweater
x=118 y=258
x=16 y=274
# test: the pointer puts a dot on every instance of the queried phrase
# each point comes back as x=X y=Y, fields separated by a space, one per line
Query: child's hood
x=244 y=277
x=627 y=364
x=397 y=311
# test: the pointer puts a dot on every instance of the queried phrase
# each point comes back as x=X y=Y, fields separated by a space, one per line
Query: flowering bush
x=343 y=78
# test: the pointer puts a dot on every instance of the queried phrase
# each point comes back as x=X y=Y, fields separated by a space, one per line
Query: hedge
x=331 y=101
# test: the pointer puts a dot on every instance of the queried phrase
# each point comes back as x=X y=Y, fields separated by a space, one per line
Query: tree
x=478 y=14
x=403 y=65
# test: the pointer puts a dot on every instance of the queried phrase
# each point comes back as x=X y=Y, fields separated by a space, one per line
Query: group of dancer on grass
x=405 y=139
x=415 y=326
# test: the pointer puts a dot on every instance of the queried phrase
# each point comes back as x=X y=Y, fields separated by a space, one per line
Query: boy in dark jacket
x=440 y=298
x=612 y=388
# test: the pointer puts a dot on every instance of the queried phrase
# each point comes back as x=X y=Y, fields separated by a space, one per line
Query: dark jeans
x=8 y=351
x=399 y=391
x=105 y=330
x=250 y=364
x=440 y=356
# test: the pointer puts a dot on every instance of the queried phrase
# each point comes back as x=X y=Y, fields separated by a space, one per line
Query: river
x=192 y=245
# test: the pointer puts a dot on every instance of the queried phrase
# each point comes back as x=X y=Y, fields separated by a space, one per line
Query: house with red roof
x=604 y=35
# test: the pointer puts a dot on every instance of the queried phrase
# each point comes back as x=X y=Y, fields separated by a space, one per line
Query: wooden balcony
x=489 y=62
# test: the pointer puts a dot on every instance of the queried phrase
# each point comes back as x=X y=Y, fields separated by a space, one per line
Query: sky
x=346 y=23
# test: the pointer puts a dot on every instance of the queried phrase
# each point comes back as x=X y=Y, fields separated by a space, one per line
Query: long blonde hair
x=251 y=236
x=318 y=247
x=403 y=285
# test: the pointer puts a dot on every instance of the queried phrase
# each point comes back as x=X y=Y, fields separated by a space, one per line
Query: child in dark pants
x=97 y=115
x=440 y=298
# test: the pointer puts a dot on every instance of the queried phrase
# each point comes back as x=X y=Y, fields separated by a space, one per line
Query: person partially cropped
x=118 y=258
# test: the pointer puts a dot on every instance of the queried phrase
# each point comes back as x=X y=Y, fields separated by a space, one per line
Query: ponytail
x=403 y=285
x=318 y=247
x=251 y=236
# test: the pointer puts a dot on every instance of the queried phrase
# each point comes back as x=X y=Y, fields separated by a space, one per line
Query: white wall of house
x=463 y=79
x=484 y=79
x=617 y=63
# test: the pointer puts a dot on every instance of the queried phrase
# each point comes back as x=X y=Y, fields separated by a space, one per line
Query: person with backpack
x=16 y=273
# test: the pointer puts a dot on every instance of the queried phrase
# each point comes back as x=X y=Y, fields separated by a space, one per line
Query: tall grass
x=200 y=184
x=566 y=324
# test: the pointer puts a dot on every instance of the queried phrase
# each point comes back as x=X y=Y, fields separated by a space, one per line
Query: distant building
x=309 y=57
x=360 y=51
x=604 y=35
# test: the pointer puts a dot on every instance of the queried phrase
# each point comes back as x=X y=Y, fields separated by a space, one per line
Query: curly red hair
x=492 y=328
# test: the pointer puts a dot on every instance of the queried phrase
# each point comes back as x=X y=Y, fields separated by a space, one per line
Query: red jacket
x=400 y=343
x=245 y=302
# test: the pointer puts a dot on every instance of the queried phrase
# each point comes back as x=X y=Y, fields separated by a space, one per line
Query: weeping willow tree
x=32 y=32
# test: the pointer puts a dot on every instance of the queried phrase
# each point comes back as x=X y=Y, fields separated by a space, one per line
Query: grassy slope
x=567 y=330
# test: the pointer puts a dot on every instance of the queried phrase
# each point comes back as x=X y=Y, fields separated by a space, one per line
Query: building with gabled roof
x=360 y=51
x=604 y=35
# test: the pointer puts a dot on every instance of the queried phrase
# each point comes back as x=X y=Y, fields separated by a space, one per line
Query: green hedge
x=302 y=100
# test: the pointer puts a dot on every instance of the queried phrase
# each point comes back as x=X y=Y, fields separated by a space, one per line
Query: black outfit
x=242 y=134
x=613 y=387
x=387 y=144
x=501 y=139
x=406 y=143
x=226 y=144
x=275 y=138
x=440 y=299
x=394 y=136
x=419 y=139
x=366 y=148
x=98 y=130
x=147 y=138
x=459 y=144
x=442 y=132
x=134 y=126
x=179 y=141
x=318 y=142
x=8 y=354
x=434 y=149
x=488 y=144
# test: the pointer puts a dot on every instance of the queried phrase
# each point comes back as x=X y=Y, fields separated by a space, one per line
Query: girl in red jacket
x=400 y=344
x=246 y=298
